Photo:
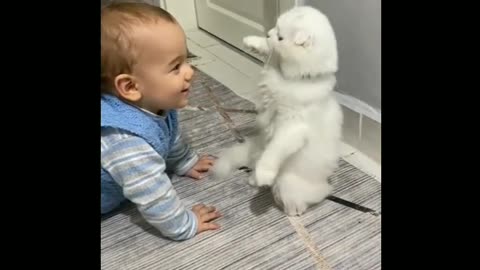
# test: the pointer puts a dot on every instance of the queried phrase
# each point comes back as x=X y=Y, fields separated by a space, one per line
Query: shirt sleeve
x=140 y=171
x=181 y=157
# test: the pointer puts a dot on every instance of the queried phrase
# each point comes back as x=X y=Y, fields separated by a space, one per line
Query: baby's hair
x=118 y=51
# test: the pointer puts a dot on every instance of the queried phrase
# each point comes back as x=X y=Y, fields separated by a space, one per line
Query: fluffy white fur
x=299 y=120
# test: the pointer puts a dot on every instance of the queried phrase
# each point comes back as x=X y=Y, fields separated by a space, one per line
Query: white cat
x=299 y=119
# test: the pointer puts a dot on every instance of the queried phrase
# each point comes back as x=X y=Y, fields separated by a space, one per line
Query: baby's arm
x=185 y=161
x=257 y=44
x=181 y=157
x=140 y=171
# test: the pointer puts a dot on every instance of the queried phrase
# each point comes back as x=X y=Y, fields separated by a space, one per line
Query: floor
x=342 y=232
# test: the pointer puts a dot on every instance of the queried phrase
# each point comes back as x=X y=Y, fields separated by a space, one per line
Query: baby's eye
x=280 y=38
x=176 y=68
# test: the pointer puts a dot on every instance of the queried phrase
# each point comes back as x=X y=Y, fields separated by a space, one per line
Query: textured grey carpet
x=255 y=234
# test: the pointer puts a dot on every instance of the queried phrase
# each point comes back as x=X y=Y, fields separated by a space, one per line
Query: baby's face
x=163 y=75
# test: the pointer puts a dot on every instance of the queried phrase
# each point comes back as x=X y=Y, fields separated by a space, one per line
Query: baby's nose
x=189 y=74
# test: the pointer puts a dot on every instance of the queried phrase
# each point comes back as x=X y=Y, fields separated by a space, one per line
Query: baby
x=144 y=79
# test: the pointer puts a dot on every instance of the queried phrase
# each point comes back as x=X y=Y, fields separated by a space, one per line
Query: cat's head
x=305 y=42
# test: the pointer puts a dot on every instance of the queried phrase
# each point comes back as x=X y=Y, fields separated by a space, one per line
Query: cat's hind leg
x=295 y=194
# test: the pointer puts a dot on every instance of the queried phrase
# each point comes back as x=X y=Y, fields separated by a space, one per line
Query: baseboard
x=362 y=133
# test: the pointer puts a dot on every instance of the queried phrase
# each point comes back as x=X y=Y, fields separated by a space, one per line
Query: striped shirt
x=141 y=172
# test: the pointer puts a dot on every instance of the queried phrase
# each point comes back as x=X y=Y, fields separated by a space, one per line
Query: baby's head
x=143 y=57
x=305 y=41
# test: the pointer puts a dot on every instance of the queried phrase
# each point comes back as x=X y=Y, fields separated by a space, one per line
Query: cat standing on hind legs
x=299 y=119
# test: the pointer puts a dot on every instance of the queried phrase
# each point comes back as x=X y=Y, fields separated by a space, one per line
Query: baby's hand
x=205 y=216
x=202 y=166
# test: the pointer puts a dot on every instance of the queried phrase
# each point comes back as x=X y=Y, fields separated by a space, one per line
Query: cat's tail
x=233 y=158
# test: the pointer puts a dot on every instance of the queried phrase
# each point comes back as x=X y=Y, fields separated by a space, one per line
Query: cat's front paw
x=264 y=176
x=253 y=43
x=249 y=41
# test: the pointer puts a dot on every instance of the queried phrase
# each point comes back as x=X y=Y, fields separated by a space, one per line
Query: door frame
x=184 y=10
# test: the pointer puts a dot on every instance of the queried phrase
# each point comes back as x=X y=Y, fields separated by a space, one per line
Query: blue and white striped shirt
x=141 y=172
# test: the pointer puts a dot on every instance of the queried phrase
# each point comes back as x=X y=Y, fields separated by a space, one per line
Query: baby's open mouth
x=185 y=90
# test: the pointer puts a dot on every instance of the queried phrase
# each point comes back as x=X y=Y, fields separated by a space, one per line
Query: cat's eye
x=280 y=38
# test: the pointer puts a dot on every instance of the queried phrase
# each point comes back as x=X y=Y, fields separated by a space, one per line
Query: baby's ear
x=302 y=39
x=127 y=87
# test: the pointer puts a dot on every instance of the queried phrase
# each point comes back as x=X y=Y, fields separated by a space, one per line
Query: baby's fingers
x=211 y=216
x=208 y=226
x=197 y=207
x=195 y=174
x=203 y=167
x=207 y=209
x=207 y=159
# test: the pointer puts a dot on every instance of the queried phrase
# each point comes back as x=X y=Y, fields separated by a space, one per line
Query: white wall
x=357 y=25
x=183 y=11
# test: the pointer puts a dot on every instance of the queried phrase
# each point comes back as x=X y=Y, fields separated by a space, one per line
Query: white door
x=231 y=20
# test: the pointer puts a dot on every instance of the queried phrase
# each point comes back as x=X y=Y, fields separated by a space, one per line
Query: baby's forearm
x=140 y=171
x=181 y=157
x=174 y=221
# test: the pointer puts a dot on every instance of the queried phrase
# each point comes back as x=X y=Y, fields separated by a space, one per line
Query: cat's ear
x=302 y=39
